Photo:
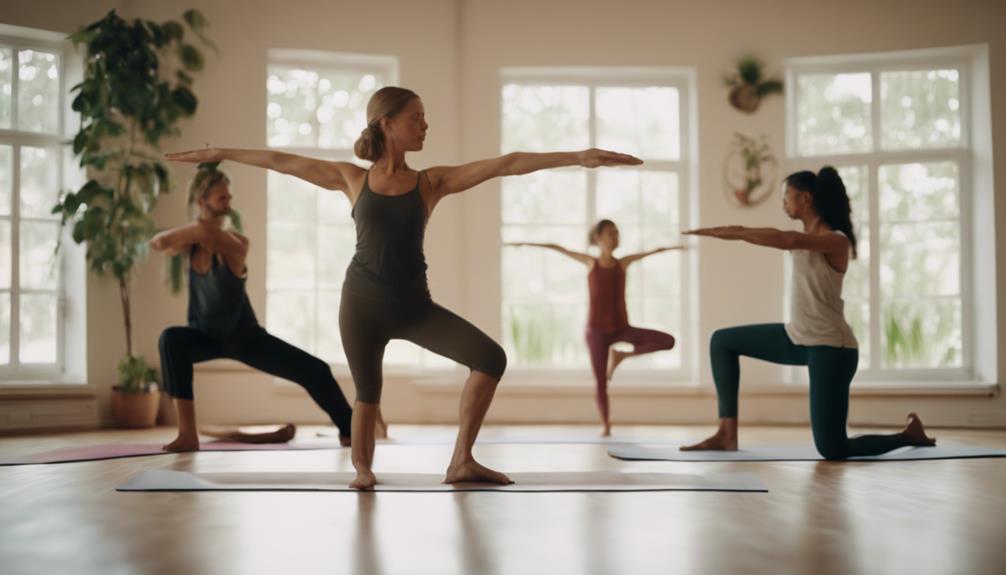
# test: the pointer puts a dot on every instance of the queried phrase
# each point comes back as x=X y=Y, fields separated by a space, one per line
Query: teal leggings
x=831 y=372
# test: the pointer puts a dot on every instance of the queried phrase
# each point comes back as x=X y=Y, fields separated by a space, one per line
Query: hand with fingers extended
x=206 y=155
x=595 y=158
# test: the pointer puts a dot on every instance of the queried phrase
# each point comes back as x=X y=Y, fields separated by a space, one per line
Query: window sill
x=46 y=390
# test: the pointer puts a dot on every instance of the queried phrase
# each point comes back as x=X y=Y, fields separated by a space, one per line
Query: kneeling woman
x=222 y=323
x=818 y=335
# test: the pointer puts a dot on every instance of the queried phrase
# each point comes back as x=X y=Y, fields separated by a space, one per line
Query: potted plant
x=749 y=85
x=136 y=87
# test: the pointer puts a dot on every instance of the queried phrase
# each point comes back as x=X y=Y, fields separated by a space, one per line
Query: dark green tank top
x=389 y=262
x=218 y=303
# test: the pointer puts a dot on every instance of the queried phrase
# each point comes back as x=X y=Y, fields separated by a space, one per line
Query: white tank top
x=817 y=312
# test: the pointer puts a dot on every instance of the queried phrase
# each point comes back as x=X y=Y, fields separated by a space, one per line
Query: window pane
x=293 y=104
x=4 y=328
x=39 y=266
x=291 y=260
x=5 y=255
x=833 y=113
x=545 y=118
x=38 y=328
x=39 y=181
x=6 y=76
x=922 y=334
x=290 y=316
x=38 y=91
x=327 y=322
x=333 y=207
x=639 y=121
x=920 y=259
x=6 y=179
x=919 y=192
x=630 y=197
x=546 y=197
x=540 y=334
x=538 y=274
x=336 y=245
x=920 y=109
x=858 y=315
x=342 y=109
x=291 y=199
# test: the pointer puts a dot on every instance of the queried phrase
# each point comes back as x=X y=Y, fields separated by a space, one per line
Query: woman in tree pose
x=817 y=335
x=608 y=320
x=385 y=295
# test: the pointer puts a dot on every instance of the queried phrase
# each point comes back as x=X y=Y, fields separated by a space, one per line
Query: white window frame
x=17 y=39
x=961 y=59
x=684 y=80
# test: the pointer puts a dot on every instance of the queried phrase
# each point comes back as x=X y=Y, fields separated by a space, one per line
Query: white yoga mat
x=795 y=453
x=171 y=480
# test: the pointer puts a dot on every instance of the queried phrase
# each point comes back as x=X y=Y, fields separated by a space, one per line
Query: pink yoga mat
x=120 y=450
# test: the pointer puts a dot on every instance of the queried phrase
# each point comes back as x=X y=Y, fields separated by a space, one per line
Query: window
x=317 y=106
x=897 y=128
x=545 y=298
x=33 y=169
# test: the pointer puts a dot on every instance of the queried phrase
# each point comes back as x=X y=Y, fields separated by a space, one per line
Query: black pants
x=368 y=324
x=181 y=347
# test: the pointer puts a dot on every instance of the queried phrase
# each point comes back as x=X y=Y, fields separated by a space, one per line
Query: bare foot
x=473 y=471
x=183 y=443
x=365 y=480
x=606 y=432
x=615 y=357
x=718 y=442
x=917 y=433
x=345 y=440
x=380 y=429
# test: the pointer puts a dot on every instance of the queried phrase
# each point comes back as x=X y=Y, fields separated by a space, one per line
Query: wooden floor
x=903 y=517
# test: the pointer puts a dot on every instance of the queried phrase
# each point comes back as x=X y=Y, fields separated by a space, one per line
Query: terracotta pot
x=134 y=410
x=745 y=98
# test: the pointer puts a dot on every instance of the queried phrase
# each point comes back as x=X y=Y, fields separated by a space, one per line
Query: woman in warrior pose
x=385 y=294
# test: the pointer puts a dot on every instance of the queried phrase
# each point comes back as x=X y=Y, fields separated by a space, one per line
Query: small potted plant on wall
x=136 y=88
x=748 y=85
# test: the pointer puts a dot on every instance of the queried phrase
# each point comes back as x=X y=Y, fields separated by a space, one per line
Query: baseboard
x=48 y=414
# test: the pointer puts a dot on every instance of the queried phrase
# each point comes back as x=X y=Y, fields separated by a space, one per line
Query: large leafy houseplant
x=136 y=87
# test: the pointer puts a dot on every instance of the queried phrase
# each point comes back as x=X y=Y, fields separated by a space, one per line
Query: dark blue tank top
x=218 y=303
x=389 y=262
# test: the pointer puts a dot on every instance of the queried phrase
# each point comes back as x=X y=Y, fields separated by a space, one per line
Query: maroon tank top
x=607 y=298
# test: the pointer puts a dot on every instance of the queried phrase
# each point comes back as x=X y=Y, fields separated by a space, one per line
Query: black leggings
x=368 y=324
x=181 y=347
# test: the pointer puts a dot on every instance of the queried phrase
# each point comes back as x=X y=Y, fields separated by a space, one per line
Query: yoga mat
x=586 y=438
x=796 y=453
x=171 y=480
x=120 y=450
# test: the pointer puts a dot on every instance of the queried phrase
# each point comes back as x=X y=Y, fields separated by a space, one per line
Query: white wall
x=451 y=51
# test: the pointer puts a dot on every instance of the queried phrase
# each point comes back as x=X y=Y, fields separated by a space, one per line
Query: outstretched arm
x=323 y=173
x=779 y=239
x=578 y=256
x=446 y=180
x=629 y=259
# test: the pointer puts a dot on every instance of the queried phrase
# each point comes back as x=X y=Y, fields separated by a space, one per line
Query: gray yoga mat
x=515 y=438
x=171 y=480
x=795 y=453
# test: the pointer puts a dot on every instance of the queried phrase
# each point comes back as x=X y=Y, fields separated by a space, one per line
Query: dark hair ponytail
x=830 y=199
x=596 y=230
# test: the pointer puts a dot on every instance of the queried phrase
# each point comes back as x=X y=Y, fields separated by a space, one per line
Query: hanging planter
x=748 y=85
x=749 y=171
